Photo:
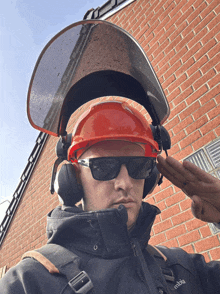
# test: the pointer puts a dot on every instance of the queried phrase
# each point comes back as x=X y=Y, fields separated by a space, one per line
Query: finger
x=170 y=177
x=198 y=172
x=196 y=207
x=176 y=169
x=204 y=210
x=173 y=175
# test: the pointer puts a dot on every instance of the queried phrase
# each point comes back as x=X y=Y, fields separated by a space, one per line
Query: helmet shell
x=111 y=120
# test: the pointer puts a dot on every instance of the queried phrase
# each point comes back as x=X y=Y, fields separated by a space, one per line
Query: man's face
x=121 y=190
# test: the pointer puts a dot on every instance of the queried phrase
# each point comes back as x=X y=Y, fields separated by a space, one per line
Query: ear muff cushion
x=66 y=185
x=151 y=181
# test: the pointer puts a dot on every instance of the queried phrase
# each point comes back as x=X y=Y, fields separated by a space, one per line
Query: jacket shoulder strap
x=161 y=260
x=59 y=260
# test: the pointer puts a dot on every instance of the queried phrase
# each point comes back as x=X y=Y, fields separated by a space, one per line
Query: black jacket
x=116 y=261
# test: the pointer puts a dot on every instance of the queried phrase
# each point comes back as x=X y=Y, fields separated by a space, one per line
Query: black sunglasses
x=108 y=168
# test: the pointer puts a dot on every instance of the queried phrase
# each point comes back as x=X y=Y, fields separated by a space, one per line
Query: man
x=114 y=153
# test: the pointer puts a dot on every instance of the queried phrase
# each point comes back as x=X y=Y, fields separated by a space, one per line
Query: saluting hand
x=202 y=188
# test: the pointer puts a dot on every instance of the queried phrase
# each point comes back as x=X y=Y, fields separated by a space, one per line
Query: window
x=208 y=158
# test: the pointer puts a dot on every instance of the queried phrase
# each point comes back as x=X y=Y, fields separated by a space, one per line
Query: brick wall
x=181 y=39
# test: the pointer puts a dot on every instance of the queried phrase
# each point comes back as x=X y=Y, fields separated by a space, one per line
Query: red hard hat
x=111 y=120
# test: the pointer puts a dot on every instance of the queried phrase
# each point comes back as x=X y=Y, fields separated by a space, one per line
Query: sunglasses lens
x=108 y=168
x=104 y=169
x=140 y=168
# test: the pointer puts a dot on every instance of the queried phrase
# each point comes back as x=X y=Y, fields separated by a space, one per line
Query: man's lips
x=125 y=201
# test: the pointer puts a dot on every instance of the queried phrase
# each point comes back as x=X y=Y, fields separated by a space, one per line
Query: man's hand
x=202 y=188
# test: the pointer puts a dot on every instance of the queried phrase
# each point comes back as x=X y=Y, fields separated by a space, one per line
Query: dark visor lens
x=108 y=168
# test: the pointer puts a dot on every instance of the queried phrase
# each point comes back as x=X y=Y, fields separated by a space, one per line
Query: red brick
x=211 y=34
x=161 y=61
x=190 y=139
x=173 y=210
x=209 y=8
x=204 y=109
x=189 y=238
x=179 y=137
x=186 y=14
x=173 y=96
x=170 y=243
x=183 y=153
x=215 y=50
x=209 y=75
x=172 y=20
x=176 y=231
x=184 y=41
x=182 y=96
x=217 y=66
x=197 y=11
x=190 y=80
x=191 y=52
x=178 y=31
x=161 y=205
x=214 y=112
x=173 y=44
x=189 y=249
x=171 y=123
x=197 y=65
x=189 y=110
x=207 y=243
x=217 y=131
x=185 y=204
x=172 y=69
x=168 y=81
x=168 y=4
x=215 y=254
x=203 y=141
x=158 y=239
x=157 y=219
x=205 y=231
x=214 y=22
x=196 y=124
x=205 y=49
x=162 y=226
x=176 y=10
x=177 y=83
x=165 y=36
x=204 y=22
x=176 y=198
x=176 y=110
x=210 y=125
x=184 y=67
x=209 y=95
x=214 y=81
x=206 y=256
x=164 y=194
x=150 y=200
x=197 y=38
x=180 y=126
x=178 y=56
x=182 y=217
x=197 y=94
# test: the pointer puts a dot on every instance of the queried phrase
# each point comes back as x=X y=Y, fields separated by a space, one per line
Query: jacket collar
x=101 y=233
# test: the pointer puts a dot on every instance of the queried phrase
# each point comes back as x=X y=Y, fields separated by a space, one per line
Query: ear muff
x=66 y=185
x=151 y=182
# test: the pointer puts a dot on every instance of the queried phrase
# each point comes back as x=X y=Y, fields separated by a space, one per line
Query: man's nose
x=123 y=180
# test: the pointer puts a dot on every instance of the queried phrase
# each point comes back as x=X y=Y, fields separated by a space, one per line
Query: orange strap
x=43 y=260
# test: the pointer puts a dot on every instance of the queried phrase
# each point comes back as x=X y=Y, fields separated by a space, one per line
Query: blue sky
x=25 y=28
